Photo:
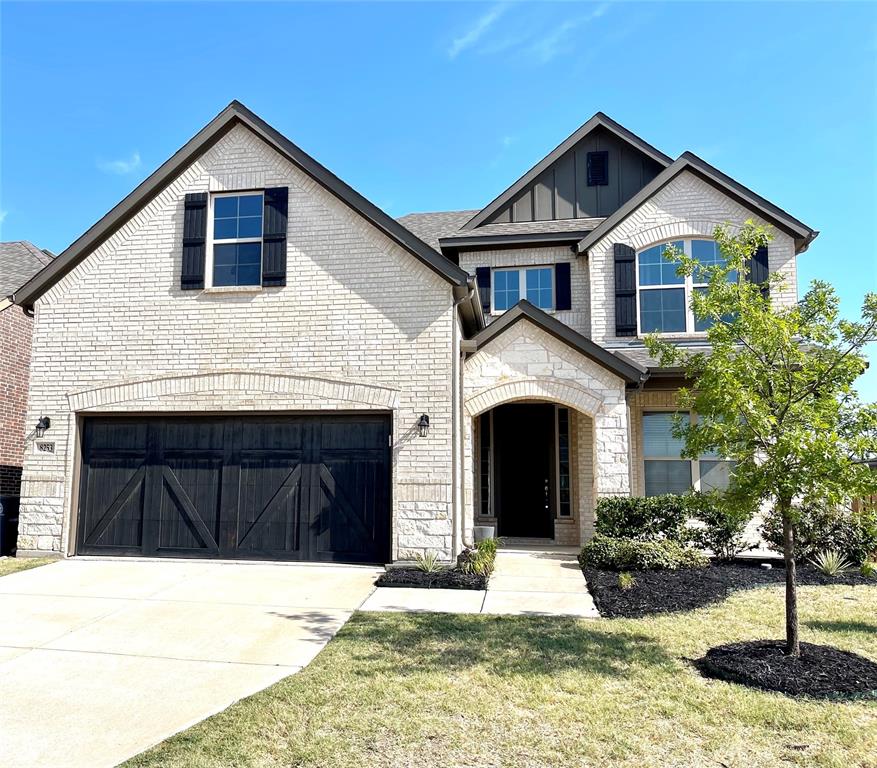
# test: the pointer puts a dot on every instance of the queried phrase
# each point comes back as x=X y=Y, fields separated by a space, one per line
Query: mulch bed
x=820 y=671
x=446 y=579
x=690 y=588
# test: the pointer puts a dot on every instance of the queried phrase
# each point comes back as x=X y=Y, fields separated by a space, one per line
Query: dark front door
x=523 y=444
x=278 y=487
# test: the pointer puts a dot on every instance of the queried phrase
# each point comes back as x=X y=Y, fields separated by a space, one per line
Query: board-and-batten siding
x=562 y=191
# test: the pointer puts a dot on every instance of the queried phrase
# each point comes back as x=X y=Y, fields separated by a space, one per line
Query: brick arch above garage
x=242 y=386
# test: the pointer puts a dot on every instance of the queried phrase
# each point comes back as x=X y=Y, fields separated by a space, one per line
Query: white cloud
x=3 y=215
x=558 y=40
x=476 y=31
x=120 y=167
x=507 y=141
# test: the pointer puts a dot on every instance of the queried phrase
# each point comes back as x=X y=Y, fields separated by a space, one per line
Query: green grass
x=15 y=564
x=430 y=690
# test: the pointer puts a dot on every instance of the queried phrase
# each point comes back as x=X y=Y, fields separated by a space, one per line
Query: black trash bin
x=8 y=524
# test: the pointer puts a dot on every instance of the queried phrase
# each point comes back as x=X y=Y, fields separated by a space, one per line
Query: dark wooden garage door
x=278 y=487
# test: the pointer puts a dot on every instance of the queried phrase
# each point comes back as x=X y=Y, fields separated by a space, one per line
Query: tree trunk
x=793 y=646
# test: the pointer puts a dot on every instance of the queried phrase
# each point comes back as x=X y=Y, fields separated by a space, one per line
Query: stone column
x=612 y=448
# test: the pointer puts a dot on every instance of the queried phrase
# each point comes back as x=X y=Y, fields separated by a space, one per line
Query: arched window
x=663 y=297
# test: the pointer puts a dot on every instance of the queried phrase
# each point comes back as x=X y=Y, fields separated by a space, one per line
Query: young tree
x=775 y=392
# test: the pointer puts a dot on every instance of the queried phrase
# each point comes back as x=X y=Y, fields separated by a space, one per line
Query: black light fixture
x=42 y=425
x=423 y=425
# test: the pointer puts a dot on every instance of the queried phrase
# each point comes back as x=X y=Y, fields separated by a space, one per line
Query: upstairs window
x=664 y=468
x=598 y=169
x=535 y=284
x=664 y=298
x=237 y=239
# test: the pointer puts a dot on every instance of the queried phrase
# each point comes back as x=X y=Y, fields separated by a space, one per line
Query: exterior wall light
x=42 y=425
x=423 y=425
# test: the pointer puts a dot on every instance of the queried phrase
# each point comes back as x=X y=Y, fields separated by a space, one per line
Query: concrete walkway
x=101 y=659
x=534 y=581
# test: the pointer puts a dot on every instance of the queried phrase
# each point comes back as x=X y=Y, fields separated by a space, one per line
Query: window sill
x=500 y=313
x=226 y=289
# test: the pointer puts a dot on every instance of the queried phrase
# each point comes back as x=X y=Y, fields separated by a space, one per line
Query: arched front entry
x=546 y=434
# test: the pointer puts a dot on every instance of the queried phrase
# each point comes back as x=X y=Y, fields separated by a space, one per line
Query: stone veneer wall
x=578 y=317
x=687 y=207
x=525 y=363
x=361 y=325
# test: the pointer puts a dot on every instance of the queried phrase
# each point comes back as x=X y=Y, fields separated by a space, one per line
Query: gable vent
x=598 y=169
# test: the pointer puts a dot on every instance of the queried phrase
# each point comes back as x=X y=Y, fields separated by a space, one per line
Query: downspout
x=457 y=475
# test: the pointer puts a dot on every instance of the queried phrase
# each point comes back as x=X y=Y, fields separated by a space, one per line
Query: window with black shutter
x=598 y=169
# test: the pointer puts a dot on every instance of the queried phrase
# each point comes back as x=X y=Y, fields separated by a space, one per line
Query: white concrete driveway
x=100 y=659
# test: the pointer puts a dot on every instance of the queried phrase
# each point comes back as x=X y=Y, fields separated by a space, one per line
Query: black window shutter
x=482 y=276
x=274 y=236
x=759 y=268
x=625 y=290
x=194 y=241
x=562 y=289
x=598 y=169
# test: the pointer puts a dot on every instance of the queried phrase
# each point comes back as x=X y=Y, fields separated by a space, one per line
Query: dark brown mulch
x=447 y=579
x=690 y=588
x=820 y=671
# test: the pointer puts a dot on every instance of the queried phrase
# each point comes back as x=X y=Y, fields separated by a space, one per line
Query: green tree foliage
x=776 y=394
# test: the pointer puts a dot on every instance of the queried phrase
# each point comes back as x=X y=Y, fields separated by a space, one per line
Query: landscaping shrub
x=869 y=569
x=626 y=580
x=852 y=534
x=645 y=518
x=722 y=525
x=830 y=562
x=428 y=563
x=614 y=554
x=478 y=559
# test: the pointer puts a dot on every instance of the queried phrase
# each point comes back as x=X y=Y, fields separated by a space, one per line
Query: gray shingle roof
x=19 y=262
x=430 y=227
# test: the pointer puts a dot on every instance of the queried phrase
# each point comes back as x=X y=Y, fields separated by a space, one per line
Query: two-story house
x=246 y=358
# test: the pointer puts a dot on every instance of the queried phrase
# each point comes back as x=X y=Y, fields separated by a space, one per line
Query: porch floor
x=528 y=580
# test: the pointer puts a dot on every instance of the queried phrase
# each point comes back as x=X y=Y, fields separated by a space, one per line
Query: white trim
x=208 y=258
x=522 y=285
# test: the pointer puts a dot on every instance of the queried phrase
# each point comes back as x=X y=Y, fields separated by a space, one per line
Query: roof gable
x=687 y=161
x=556 y=187
x=629 y=370
x=235 y=113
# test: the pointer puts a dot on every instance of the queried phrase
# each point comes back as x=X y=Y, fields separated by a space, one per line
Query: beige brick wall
x=687 y=207
x=360 y=325
x=578 y=316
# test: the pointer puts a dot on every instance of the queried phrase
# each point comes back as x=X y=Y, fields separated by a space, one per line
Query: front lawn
x=14 y=564
x=428 y=689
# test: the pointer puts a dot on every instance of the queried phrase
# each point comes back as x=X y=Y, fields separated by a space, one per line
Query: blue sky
x=441 y=106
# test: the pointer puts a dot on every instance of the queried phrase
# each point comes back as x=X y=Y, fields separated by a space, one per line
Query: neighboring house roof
x=598 y=120
x=19 y=262
x=688 y=161
x=621 y=365
x=235 y=113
